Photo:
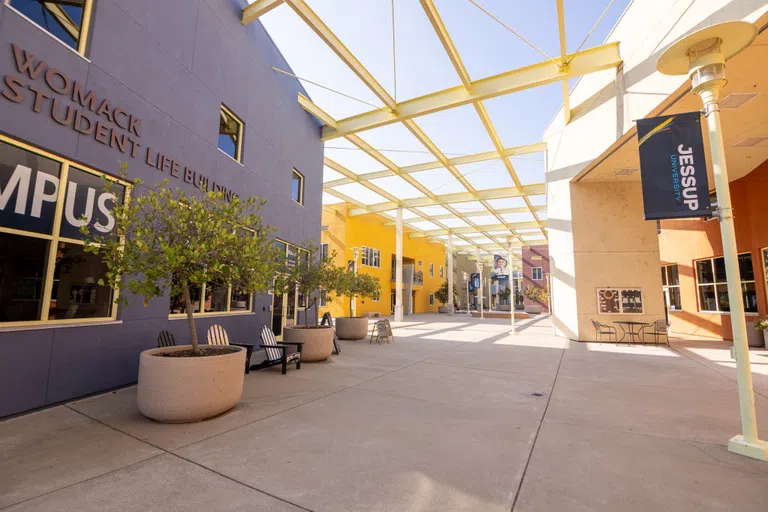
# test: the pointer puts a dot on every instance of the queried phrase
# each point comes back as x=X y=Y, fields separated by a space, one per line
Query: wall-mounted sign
x=29 y=191
x=474 y=282
x=70 y=104
x=619 y=301
x=673 y=167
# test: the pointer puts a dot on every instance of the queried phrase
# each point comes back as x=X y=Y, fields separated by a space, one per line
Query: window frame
x=85 y=26
x=541 y=273
x=240 y=134
x=763 y=251
x=54 y=238
x=715 y=283
x=666 y=286
x=431 y=270
x=431 y=299
x=325 y=250
x=203 y=313
x=301 y=187
x=370 y=257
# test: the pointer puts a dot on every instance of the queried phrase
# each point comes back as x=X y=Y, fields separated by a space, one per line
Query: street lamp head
x=702 y=54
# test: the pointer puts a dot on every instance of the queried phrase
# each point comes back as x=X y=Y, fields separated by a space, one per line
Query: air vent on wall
x=626 y=171
x=749 y=142
x=737 y=99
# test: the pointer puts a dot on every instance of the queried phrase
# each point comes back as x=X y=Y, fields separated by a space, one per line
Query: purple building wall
x=171 y=63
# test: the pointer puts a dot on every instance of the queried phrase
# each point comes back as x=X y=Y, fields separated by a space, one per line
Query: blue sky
x=487 y=48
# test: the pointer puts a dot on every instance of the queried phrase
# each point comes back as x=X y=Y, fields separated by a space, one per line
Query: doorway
x=284 y=306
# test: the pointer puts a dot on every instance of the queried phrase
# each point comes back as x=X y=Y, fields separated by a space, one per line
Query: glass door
x=283 y=312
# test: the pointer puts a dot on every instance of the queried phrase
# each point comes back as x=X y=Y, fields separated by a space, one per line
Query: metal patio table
x=631 y=325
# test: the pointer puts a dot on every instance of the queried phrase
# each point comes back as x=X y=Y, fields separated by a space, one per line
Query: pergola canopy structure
x=479 y=219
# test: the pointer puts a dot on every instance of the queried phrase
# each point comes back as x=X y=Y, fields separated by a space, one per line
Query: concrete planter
x=187 y=389
x=533 y=309
x=504 y=307
x=352 y=328
x=443 y=309
x=318 y=343
x=756 y=339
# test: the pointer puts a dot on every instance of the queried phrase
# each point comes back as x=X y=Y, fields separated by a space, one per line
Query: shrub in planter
x=307 y=276
x=353 y=285
x=165 y=242
x=534 y=294
x=762 y=326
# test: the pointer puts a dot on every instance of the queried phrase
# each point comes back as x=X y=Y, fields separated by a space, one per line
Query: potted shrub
x=165 y=242
x=442 y=297
x=354 y=285
x=307 y=276
x=503 y=296
x=761 y=326
x=534 y=294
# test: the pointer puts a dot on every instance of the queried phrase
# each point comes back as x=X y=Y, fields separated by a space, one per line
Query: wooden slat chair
x=217 y=335
x=277 y=352
x=165 y=339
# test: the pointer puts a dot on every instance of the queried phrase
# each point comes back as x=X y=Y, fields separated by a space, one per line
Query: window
x=230 y=134
x=421 y=263
x=371 y=257
x=441 y=272
x=323 y=298
x=217 y=298
x=297 y=187
x=431 y=299
x=431 y=270
x=324 y=251
x=66 y=20
x=765 y=266
x=536 y=273
x=670 y=281
x=377 y=297
x=45 y=273
x=712 y=288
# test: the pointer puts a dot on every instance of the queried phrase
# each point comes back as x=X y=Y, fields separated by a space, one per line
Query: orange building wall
x=686 y=240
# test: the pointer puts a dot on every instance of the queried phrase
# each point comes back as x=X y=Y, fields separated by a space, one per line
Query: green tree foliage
x=167 y=241
x=535 y=294
x=505 y=293
x=442 y=293
x=308 y=276
x=360 y=285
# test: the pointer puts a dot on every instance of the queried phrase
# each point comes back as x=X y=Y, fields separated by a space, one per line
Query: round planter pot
x=504 y=307
x=533 y=309
x=443 y=309
x=352 y=328
x=187 y=389
x=318 y=343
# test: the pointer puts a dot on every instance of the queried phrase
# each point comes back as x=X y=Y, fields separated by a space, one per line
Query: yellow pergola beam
x=472 y=229
x=322 y=30
x=258 y=8
x=459 y=197
x=563 y=57
x=479 y=213
x=445 y=39
x=584 y=62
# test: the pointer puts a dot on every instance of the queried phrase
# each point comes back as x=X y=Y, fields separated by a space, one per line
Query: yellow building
x=424 y=268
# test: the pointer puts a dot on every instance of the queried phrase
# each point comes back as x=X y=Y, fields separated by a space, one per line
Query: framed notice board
x=608 y=301
x=620 y=301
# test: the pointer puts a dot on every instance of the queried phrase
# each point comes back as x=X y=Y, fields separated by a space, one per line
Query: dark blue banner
x=673 y=167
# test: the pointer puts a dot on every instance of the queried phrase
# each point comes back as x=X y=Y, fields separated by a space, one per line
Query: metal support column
x=450 y=273
x=511 y=292
x=399 y=267
x=480 y=284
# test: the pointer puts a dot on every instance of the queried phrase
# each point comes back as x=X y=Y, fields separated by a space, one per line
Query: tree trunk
x=190 y=317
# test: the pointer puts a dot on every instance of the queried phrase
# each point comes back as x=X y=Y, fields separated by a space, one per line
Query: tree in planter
x=308 y=275
x=442 y=293
x=168 y=241
x=505 y=293
x=353 y=285
x=534 y=293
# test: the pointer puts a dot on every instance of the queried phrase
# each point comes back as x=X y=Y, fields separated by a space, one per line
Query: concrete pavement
x=455 y=415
